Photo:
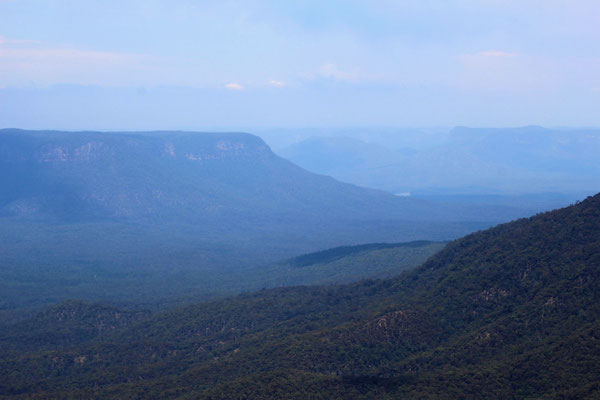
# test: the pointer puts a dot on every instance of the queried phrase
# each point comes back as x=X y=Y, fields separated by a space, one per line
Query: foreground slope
x=511 y=312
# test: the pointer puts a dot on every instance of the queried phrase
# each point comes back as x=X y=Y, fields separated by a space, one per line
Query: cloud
x=234 y=86
x=4 y=41
x=26 y=61
x=332 y=71
x=495 y=53
x=63 y=55
x=275 y=83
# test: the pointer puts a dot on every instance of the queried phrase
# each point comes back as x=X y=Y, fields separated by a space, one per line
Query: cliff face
x=80 y=147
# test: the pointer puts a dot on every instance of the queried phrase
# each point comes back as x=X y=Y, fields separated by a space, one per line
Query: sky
x=190 y=64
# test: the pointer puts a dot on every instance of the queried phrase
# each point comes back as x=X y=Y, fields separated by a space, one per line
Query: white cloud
x=234 y=86
x=332 y=71
x=26 y=61
x=275 y=83
x=495 y=53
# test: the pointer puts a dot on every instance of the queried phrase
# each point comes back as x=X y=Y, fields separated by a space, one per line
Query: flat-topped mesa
x=168 y=174
x=59 y=147
x=187 y=176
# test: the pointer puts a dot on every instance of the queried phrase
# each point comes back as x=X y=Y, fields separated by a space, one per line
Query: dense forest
x=509 y=312
x=164 y=283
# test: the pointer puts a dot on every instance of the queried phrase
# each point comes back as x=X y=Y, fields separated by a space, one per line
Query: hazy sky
x=161 y=64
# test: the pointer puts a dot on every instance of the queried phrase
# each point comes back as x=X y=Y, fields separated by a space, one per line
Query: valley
x=474 y=319
x=299 y=200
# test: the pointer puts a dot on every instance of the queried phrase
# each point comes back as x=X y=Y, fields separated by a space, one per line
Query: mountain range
x=467 y=161
x=154 y=217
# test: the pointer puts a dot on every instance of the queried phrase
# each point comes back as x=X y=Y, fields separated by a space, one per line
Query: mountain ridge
x=465 y=160
x=213 y=166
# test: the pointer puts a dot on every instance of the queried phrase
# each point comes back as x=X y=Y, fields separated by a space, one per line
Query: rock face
x=54 y=146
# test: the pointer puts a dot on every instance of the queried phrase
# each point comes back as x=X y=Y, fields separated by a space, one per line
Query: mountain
x=336 y=156
x=154 y=217
x=168 y=174
x=391 y=138
x=509 y=312
x=87 y=176
x=522 y=160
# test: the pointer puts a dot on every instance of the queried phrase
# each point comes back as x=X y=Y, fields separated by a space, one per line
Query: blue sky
x=155 y=64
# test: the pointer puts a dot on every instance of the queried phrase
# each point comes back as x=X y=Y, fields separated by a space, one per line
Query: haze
x=339 y=199
x=183 y=64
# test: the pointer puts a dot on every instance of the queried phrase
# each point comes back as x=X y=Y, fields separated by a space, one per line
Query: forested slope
x=510 y=312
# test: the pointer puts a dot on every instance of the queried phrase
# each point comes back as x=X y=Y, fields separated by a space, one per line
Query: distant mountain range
x=468 y=161
x=509 y=312
x=146 y=216
x=86 y=175
x=82 y=176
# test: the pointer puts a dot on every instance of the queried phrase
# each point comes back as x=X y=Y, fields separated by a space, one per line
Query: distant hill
x=159 y=216
x=510 y=312
x=471 y=161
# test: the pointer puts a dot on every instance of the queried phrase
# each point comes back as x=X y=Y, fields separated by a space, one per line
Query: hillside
x=153 y=217
x=510 y=312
